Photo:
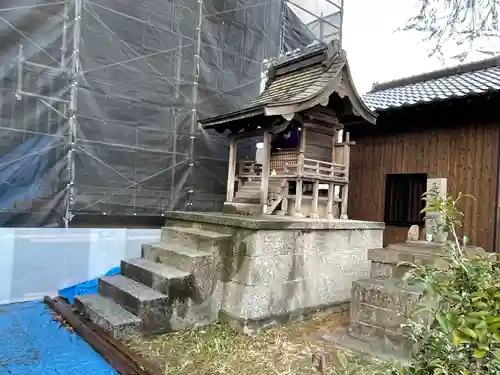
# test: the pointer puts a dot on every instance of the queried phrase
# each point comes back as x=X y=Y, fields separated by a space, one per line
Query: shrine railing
x=286 y=165
x=249 y=169
x=322 y=169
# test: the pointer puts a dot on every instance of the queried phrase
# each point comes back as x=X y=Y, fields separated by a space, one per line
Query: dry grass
x=217 y=349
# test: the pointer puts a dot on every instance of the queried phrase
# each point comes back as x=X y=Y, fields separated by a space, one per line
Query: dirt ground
x=218 y=349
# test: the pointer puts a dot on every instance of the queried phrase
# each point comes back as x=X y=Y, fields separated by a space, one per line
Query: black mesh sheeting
x=99 y=105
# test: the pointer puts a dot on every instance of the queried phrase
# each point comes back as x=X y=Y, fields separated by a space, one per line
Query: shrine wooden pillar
x=345 y=188
x=264 y=182
x=231 y=173
x=300 y=171
x=331 y=192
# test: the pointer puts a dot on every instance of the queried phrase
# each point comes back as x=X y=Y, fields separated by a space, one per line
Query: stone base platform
x=248 y=271
x=272 y=266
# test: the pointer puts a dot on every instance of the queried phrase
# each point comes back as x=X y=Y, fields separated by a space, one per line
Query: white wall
x=35 y=262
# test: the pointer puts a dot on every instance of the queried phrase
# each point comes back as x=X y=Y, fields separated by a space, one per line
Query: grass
x=218 y=349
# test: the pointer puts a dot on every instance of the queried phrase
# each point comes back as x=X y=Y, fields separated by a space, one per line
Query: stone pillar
x=439 y=187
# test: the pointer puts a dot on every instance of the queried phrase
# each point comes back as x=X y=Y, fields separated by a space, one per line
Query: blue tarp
x=34 y=344
x=87 y=287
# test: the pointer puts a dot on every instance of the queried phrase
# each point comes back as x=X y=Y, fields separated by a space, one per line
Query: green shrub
x=462 y=300
x=464 y=336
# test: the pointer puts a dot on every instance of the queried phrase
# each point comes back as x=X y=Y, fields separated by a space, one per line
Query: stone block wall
x=275 y=267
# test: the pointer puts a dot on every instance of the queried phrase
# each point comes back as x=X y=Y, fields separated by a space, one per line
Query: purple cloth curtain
x=287 y=139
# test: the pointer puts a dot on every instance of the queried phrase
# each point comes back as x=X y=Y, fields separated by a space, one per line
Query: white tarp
x=40 y=261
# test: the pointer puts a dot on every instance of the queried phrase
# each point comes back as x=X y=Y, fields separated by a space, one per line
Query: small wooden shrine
x=302 y=117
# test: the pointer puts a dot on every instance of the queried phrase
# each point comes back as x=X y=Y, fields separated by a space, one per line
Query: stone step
x=200 y=264
x=163 y=278
x=388 y=340
x=388 y=270
x=256 y=194
x=241 y=208
x=247 y=200
x=195 y=238
x=178 y=256
x=385 y=293
x=256 y=183
x=148 y=304
x=422 y=246
x=368 y=350
x=271 y=187
x=111 y=317
x=381 y=317
x=255 y=201
x=394 y=261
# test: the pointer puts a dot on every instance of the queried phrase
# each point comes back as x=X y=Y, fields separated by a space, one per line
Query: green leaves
x=468 y=332
x=464 y=336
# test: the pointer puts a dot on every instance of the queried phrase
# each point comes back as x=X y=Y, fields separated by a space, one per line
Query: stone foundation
x=275 y=266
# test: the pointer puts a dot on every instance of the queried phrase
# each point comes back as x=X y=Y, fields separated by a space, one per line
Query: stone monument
x=438 y=187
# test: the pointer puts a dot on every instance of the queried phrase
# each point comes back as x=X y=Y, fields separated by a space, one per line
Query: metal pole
x=282 y=28
x=341 y=21
x=20 y=61
x=75 y=72
x=64 y=36
x=322 y=28
x=194 y=115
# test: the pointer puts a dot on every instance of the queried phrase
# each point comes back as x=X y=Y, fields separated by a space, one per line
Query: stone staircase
x=247 y=198
x=383 y=303
x=170 y=287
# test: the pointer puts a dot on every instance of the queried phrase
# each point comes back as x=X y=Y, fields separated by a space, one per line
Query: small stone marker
x=413 y=233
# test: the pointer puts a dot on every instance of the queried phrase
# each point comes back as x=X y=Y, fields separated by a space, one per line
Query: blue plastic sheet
x=35 y=344
x=87 y=287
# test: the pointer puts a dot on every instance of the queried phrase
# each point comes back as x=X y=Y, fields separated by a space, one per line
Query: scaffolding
x=100 y=99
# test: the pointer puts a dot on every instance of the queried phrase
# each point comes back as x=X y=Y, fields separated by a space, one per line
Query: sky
x=377 y=52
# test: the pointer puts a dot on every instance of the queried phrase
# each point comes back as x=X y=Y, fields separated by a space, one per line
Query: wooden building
x=307 y=100
x=444 y=124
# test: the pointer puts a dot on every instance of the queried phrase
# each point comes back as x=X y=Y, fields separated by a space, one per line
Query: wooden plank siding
x=466 y=156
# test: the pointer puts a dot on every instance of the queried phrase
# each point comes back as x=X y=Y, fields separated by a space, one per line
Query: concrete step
x=251 y=195
x=111 y=317
x=256 y=183
x=195 y=238
x=163 y=278
x=424 y=246
x=178 y=256
x=200 y=264
x=387 y=340
x=396 y=260
x=388 y=294
x=379 y=308
x=381 y=317
x=242 y=208
x=146 y=303
x=368 y=350
x=247 y=200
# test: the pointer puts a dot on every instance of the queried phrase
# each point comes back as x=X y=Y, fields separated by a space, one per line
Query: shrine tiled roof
x=300 y=82
x=469 y=79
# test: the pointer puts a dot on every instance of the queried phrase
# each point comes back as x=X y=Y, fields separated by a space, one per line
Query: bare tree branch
x=465 y=23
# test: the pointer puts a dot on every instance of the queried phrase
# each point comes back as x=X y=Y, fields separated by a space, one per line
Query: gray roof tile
x=299 y=80
x=470 y=79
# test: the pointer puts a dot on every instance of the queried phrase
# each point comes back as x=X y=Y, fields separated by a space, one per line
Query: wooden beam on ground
x=114 y=354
